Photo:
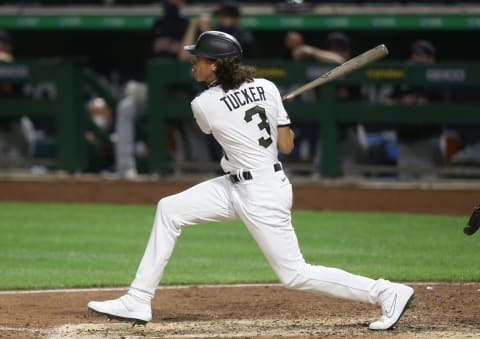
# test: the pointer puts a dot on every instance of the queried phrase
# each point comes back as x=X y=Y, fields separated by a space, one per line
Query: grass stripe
x=81 y=245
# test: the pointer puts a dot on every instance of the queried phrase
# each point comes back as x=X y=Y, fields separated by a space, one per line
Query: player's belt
x=243 y=175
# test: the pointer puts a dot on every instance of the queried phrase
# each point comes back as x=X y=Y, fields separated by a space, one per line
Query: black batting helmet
x=215 y=45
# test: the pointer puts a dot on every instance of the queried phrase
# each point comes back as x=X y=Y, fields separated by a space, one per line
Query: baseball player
x=246 y=116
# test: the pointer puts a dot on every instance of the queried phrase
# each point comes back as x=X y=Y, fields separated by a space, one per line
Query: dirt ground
x=440 y=310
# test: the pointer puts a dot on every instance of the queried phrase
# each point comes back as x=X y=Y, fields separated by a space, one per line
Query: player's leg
x=207 y=201
x=268 y=220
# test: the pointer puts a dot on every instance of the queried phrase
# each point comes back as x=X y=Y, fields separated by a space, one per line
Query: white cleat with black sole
x=126 y=308
x=397 y=299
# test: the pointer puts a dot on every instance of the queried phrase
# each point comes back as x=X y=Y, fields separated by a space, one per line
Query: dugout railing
x=56 y=89
x=171 y=87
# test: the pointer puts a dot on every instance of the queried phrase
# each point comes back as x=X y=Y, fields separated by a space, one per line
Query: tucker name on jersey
x=243 y=97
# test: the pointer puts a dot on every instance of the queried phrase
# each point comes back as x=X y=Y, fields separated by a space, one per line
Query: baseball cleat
x=398 y=299
x=125 y=308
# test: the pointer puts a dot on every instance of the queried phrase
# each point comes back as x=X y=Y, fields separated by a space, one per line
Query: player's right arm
x=200 y=116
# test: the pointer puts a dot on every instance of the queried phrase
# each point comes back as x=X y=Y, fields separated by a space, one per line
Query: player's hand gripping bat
x=348 y=66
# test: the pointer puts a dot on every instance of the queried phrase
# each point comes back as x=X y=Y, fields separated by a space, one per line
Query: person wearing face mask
x=100 y=152
x=100 y=113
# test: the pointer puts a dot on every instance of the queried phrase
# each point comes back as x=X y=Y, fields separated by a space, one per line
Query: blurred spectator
x=6 y=53
x=378 y=141
x=339 y=43
x=462 y=145
x=168 y=30
x=229 y=14
x=100 y=113
x=297 y=49
x=15 y=143
x=337 y=50
x=200 y=147
x=98 y=136
x=6 y=56
x=461 y=142
x=352 y=152
x=186 y=140
x=422 y=52
x=196 y=27
x=418 y=144
x=291 y=41
x=130 y=108
x=414 y=148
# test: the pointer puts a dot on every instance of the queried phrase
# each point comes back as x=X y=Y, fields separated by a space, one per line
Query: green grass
x=74 y=245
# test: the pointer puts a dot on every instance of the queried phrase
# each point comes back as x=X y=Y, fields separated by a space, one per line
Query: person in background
x=15 y=133
x=6 y=48
x=461 y=141
x=197 y=26
x=130 y=108
x=7 y=89
x=167 y=31
x=422 y=52
x=340 y=44
x=297 y=49
x=351 y=150
x=337 y=50
x=253 y=189
x=229 y=15
x=202 y=148
x=100 y=113
x=98 y=137
x=307 y=133
x=418 y=144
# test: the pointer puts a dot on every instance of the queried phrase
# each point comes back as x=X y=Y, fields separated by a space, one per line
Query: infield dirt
x=440 y=310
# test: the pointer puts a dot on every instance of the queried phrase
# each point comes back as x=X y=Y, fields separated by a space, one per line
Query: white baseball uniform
x=255 y=189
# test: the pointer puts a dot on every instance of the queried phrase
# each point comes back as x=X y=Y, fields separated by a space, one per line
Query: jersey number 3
x=263 y=125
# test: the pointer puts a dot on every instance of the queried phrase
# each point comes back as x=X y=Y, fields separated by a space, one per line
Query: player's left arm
x=285 y=139
x=285 y=134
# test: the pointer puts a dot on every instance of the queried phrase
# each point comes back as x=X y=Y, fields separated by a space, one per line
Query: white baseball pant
x=263 y=204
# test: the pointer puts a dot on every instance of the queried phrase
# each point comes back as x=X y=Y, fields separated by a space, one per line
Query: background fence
x=324 y=106
x=68 y=83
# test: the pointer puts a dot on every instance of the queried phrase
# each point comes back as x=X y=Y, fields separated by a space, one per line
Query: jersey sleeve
x=200 y=117
x=282 y=117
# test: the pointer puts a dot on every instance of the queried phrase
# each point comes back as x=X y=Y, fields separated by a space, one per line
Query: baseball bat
x=348 y=66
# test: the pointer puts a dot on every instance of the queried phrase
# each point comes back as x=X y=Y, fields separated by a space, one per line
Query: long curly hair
x=231 y=74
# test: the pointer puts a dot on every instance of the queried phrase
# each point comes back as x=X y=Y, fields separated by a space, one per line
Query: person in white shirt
x=247 y=117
